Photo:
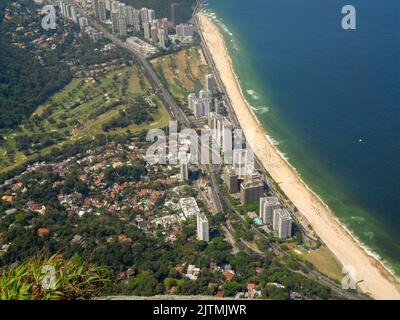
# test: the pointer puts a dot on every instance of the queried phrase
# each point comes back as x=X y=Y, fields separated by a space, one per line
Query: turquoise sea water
x=331 y=100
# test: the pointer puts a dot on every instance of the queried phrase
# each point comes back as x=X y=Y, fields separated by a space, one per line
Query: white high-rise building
x=215 y=123
x=165 y=25
x=122 y=8
x=206 y=98
x=202 y=227
x=191 y=100
x=204 y=94
x=73 y=14
x=267 y=207
x=136 y=20
x=184 y=171
x=239 y=161
x=154 y=34
x=227 y=139
x=129 y=11
x=210 y=82
x=162 y=39
x=221 y=131
x=184 y=30
x=282 y=223
x=198 y=109
x=122 y=25
x=115 y=5
x=63 y=9
x=69 y=11
x=155 y=23
x=147 y=34
x=144 y=13
x=108 y=4
x=175 y=14
x=115 y=21
x=151 y=15
x=217 y=104
x=243 y=163
x=202 y=105
x=99 y=9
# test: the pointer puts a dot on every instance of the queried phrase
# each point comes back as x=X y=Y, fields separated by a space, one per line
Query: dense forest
x=28 y=74
x=137 y=112
x=163 y=7
x=24 y=82
x=32 y=68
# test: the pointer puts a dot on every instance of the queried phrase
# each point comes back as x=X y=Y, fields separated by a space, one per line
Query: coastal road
x=277 y=251
x=235 y=121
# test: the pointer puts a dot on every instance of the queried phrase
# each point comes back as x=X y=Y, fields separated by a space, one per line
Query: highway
x=174 y=109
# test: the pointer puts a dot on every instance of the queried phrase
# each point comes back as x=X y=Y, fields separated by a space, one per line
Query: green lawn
x=183 y=71
x=323 y=260
x=80 y=110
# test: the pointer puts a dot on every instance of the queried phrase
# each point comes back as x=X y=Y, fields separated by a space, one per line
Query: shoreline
x=372 y=276
x=273 y=143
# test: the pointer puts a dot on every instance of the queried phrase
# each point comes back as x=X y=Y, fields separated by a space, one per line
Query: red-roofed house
x=251 y=290
x=228 y=275
x=42 y=232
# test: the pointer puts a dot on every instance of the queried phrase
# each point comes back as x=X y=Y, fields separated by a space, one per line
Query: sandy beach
x=370 y=274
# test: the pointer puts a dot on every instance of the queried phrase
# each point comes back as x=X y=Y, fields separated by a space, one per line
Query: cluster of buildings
x=242 y=177
x=145 y=48
x=125 y=19
x=184 y=32
x=190 y=209
x=221 y=130
x=272 y=213
x=70 y=12
x=137 y=199
x=239 y=172
x=203 y=104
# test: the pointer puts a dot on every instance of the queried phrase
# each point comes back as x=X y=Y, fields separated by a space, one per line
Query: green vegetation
x=34 y=63
x=322 y=260
x=87 y=107
x=248 y=207
x=74 y=279
x=183 y=72
x=24 y=82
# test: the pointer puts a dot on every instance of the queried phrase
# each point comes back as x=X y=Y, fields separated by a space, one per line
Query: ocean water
x=331 y=99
